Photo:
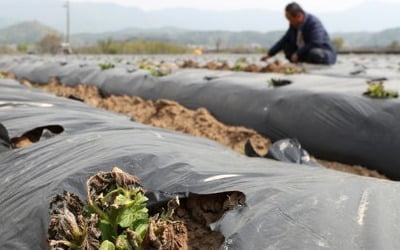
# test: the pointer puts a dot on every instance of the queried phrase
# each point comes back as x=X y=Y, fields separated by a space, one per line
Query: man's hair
x=294 y=9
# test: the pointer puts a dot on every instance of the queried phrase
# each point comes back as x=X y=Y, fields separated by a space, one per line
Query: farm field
x=223 y=147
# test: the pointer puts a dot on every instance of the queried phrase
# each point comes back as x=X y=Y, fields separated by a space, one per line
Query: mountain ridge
x=33 y=31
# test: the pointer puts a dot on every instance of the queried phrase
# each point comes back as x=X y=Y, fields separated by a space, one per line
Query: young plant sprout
x=115 y=217
x=105 y=66
x=278 y=82
x=376 y=89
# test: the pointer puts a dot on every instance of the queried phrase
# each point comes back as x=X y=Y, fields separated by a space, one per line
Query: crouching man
x=306 y=40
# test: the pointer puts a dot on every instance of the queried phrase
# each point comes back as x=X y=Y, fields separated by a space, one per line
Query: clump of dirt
x=217 y=65
x=171 y=115
x=253 y=68
x=22 y=142
x=189 y=64
x=167 y=235
x=284 y=68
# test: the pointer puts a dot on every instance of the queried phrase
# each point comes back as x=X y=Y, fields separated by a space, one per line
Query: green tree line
x=109 y=46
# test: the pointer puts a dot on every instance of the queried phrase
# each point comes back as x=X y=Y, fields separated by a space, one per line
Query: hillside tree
x=50 y=43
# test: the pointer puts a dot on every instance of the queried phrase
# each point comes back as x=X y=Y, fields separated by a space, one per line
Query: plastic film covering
x=288 y=206
x=324 y=110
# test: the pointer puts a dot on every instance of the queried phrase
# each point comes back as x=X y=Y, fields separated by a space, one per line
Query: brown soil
x=284 y=68
x=8 y=75
x=189 y=64
x=199 y=235
x=166 y=235
x=21 y=142
x=190 y=226
x=197 y=212
x=214 y=66
x=165 y=114
x=358 y=170
x=171 y=115
x=210 y=208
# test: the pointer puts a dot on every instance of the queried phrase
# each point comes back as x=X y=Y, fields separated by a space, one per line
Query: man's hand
x=264 y=58
x=294 y=58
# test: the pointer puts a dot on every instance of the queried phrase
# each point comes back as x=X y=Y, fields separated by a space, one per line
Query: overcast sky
x=309 y=5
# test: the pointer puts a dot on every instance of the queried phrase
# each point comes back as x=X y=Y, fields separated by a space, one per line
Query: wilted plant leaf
x=122 y=243
x=68 y=228
x=171 y=206
x=91 y=234
x=166 y=235
x=105 y=182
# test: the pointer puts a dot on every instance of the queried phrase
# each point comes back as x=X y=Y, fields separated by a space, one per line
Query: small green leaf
x=126 y=217
x=106 y=229
x=122 y=200
x=138 y=224
x=140 y=213
x=107 y=245
x=141 y=199
x=129 y=215
x=141 y=230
